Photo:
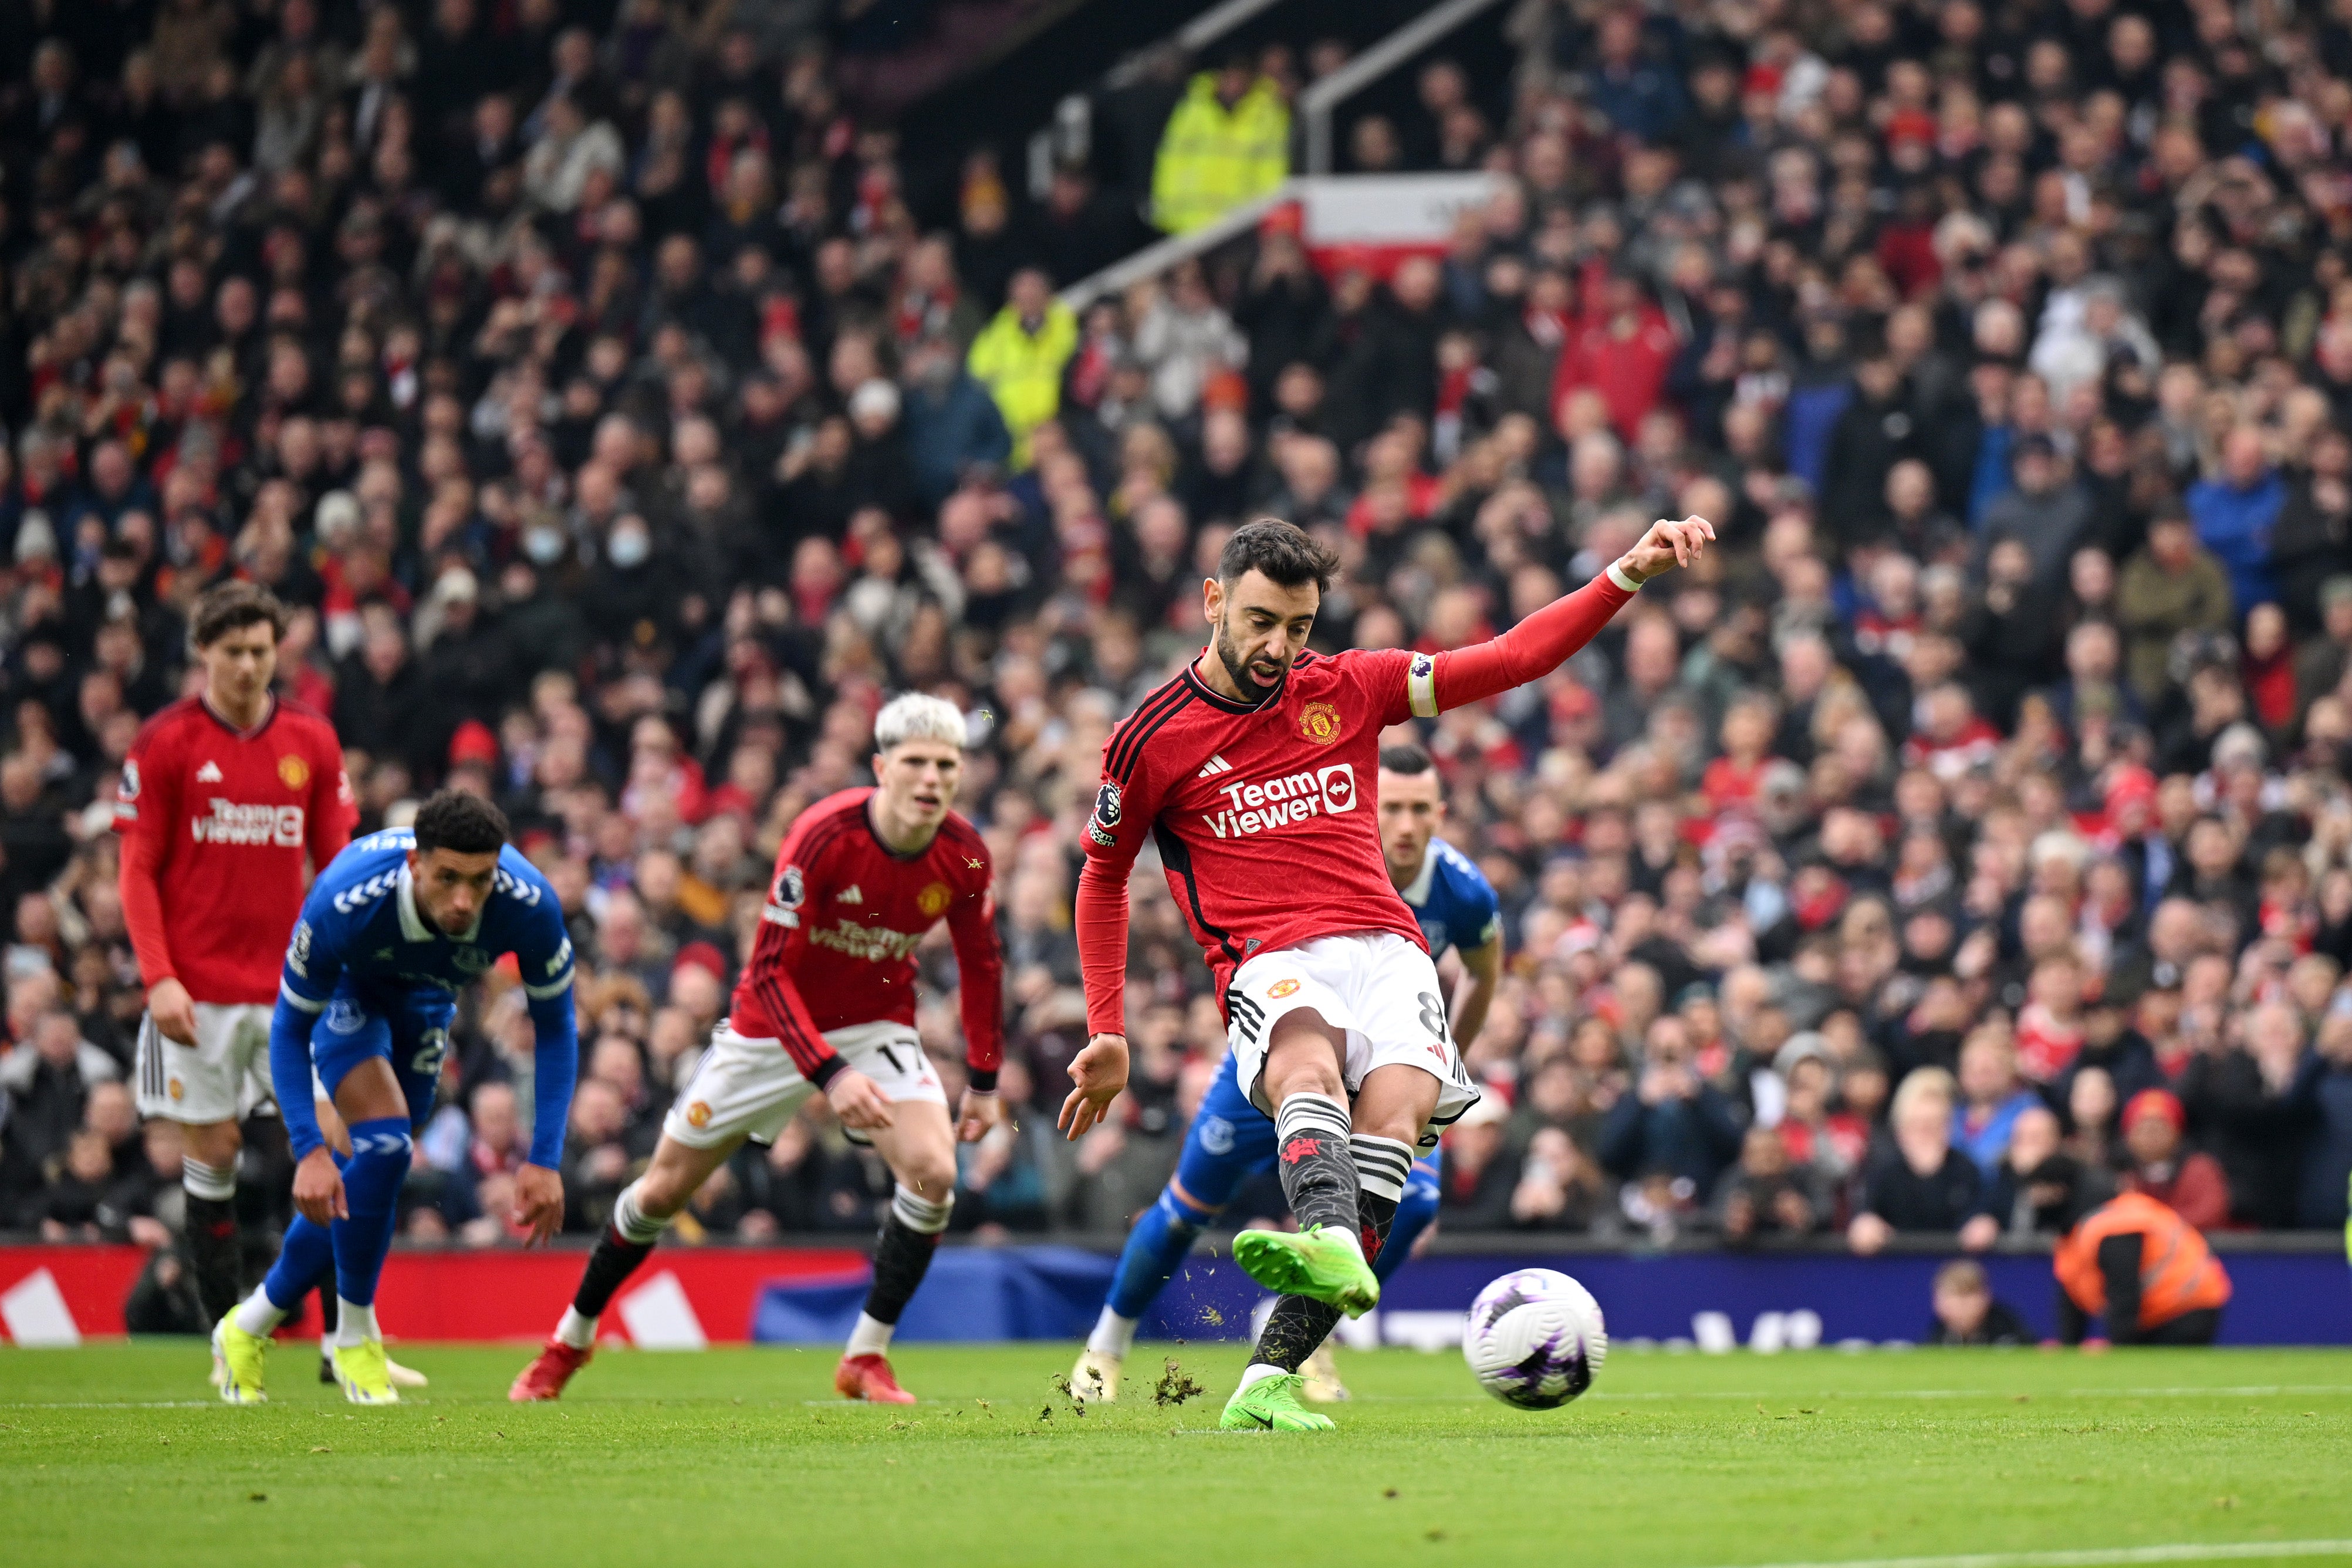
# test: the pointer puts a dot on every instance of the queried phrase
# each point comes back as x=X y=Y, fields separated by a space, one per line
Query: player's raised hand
x=1667 y=546
x=857 y=1102
x=319 y=1189
x=538 y=1202
x=978 y=1112
x=1100 y=1072
x=173 y=1010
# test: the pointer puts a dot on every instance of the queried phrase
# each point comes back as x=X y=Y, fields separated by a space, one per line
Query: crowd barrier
x=2292 y=1292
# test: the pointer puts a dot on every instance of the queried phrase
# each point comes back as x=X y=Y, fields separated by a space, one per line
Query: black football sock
x=1319 y=1175
x=1297 y=1324
x=216 y=1255
x=909 y=1236
x=627 y=1242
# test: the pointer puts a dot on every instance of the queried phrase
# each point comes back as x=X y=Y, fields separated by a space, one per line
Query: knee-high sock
x=909 y=1236
x=627 y=1242
x=381 y=1150
x=1297 y=1325
x=1317 y=1175
x=1156 y=1247
x=305 y=1258
x=1416 y=1211
x=214 y=1257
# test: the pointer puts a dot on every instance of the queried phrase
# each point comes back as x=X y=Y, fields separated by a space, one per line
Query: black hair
x=1285 y=552
x=455 y=820
x=1407 y=759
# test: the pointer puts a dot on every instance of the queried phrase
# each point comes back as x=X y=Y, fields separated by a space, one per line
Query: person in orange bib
x=2127 y=1259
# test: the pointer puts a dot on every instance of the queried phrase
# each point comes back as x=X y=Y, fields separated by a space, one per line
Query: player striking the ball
x=1232 y=1140
x=827 y=1002
x=1246 y=771
x=392 y=932
x=223 y=798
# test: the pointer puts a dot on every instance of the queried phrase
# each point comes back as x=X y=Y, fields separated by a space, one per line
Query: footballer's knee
x=1396 y=1102
x=213 y=1144
x=1303 y=1055
x=931 y=1174
x=672 y=1176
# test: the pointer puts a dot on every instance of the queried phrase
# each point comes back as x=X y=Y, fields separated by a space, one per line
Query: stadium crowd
x=597 y=387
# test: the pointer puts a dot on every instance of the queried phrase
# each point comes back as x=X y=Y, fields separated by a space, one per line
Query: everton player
x=1249 y=772
x=392 y=932
x=1232 y=1140
x=827 y=1003
x=223 y=797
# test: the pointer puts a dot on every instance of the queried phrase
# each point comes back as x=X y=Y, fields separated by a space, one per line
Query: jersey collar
x=1416 y=892
x=268 y=714
x=1223 y=704
x=411 y=924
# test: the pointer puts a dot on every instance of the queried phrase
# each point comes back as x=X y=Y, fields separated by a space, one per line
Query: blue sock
x=303 y=1258
x=380 y=1156
x=1414 y=1212
x=1154 y=1248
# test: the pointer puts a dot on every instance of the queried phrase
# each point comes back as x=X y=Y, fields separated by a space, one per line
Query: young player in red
x=223 y=797
x=1252 y=773
x=827 y=1002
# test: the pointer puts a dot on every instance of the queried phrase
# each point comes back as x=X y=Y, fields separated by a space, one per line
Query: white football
x=1534 y=1339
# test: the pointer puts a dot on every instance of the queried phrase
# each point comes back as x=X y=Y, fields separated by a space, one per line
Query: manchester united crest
x=293 y=771
x=933 y=901
x=698 y=1114
x=1320 y=723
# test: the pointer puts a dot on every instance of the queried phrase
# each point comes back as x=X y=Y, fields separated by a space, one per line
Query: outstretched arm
x=1099 y=1071
x=1546 y=639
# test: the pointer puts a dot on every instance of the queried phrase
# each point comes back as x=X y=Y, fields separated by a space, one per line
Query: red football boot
x=550 y=1370
x=867 y=1377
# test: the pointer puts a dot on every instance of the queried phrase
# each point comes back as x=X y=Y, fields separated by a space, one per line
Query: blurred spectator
x=1227 y=142
x=2190 y=1183
x=1918 y=1181
x=1967 y=1313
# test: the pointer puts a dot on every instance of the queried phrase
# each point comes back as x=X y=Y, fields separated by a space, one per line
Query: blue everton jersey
x=366 y=974
x=1452 y=900
x=360 y=932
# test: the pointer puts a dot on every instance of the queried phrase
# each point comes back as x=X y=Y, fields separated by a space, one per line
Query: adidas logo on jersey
x=1217 y=764
x=852 y=894
x=209 y=774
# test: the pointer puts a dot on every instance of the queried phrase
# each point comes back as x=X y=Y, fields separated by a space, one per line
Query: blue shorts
x=409 y=1030
x=1232 y=1140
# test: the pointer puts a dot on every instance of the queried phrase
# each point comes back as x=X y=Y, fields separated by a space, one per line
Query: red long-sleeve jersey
x=215 y=823
x=1264 y=815
x=838 y=938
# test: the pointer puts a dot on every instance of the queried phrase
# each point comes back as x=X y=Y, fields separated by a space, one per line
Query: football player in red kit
x=1252 y=773
x=223 y=797
x=827 y=1002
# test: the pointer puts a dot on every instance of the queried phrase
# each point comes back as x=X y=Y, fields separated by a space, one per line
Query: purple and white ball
x=1534 y=1339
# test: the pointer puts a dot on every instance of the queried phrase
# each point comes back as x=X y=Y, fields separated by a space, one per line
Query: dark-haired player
x=827 y=1003
x=392 y=932
x=1249 y=772
x=224 y=796
x=1231 y=1140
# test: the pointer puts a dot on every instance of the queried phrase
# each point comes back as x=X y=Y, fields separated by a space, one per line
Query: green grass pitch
x=114 y=1454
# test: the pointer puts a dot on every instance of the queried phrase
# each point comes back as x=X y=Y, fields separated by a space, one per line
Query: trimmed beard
x=1230 y=653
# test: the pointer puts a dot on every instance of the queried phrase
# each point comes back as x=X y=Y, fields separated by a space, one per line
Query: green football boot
x=1271 y=1404
x=1324 y=1264
x=236 y=1361
x=363 y=1371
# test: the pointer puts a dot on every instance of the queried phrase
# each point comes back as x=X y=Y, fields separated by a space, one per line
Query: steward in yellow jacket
x=1020 y=355
x=1228 y=142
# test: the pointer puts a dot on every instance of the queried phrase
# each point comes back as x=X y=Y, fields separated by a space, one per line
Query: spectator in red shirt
x=1734 y=778
x=2191 y=1184
x=1621 y=350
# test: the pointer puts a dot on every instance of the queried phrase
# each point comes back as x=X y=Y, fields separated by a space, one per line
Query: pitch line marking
x=2101 y=1557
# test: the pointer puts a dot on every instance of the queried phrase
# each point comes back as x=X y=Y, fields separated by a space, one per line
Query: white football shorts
x=749 y=1086
x=221 y=1078
x=1380 y=988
